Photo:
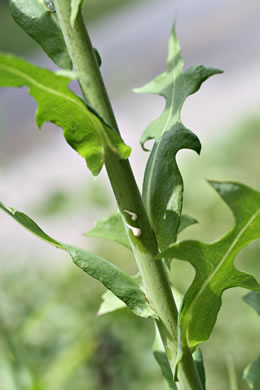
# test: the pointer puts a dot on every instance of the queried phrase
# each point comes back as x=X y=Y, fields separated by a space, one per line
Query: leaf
x=161 y=358
x=111 y=303
x=253 y=299
x=175 y=86
x=122 y=285
x=98 y=57
x=163 y=185
x=111 y=228
x=186 y=221
x=214 y=263
x=83 y=129
x=75 y=8
x=38 y=19
x=199 y=363
x=252 y=374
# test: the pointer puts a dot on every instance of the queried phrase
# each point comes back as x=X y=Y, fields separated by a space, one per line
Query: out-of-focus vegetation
x=52 y=339
x=50 y=336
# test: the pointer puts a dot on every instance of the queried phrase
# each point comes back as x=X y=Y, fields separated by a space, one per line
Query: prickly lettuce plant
x=148 y=225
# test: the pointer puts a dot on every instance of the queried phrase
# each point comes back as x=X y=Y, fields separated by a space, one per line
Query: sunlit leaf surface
x=83 y=129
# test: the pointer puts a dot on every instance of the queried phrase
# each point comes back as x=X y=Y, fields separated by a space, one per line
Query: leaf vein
x=211 y=276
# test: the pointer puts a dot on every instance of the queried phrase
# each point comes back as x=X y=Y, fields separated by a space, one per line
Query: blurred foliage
x=14 y=40
x=50 y=336
x=62 y=201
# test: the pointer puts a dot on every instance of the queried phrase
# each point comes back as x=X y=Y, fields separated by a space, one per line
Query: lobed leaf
x=163 y=185
x=214 y=263
x=114 y=279
x=83 y=129
x=175 y=86
x=38 y=19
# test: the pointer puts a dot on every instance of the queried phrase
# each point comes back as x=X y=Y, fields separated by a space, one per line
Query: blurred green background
x=50 y=336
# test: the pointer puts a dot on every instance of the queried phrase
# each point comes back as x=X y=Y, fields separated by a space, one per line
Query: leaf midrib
x=43 y=87
x=211 y=276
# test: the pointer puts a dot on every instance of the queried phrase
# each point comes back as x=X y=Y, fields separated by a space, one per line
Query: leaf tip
x=10 y=210
x=143 y=141
x=198 y=146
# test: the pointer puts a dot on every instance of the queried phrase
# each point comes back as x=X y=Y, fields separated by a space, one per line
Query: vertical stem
x=128 y=196
x=231 y=373
x=85 y=62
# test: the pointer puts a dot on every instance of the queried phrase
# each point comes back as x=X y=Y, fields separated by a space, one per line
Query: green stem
x=231 y=373
x=84 y=61
x=128 y=196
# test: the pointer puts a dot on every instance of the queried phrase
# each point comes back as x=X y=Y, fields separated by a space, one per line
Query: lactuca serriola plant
x=146 y=224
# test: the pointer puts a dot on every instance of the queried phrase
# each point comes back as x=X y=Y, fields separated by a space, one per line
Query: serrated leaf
x=214 y=263
x=114 y=279
x=163 y=185
x=253 y=299
x=83 y=129
x=38 y=19
x=112 y=228
x=252 y=374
